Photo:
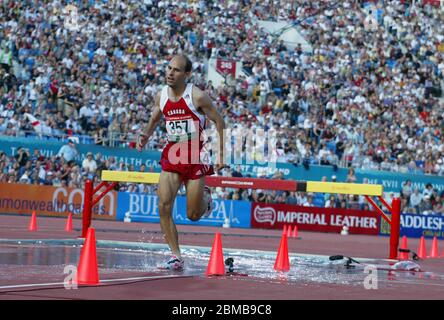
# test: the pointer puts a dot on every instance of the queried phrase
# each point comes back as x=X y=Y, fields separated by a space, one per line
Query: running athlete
x=184 y=108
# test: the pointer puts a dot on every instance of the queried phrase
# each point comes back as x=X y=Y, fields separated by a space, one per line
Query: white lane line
x=148 y=278
x=413 y=283
x=31 y=285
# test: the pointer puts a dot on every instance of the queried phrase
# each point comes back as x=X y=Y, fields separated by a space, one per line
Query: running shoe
x=174 y=264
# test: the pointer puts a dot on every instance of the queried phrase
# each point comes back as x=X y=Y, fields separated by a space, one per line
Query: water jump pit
x=32 y=265
x=29 y=267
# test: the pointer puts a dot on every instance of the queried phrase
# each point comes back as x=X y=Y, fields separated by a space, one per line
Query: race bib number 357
x=180 y=130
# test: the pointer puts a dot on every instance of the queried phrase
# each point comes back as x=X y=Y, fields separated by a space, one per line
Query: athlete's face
x=175 y=74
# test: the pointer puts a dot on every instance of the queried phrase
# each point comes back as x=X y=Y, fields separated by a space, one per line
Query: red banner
x=275 y=216
x=226 y=67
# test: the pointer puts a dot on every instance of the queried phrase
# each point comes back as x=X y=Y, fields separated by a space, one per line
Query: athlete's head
x=178 y=70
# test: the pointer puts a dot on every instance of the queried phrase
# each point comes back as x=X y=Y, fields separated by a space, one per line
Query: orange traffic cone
x=68 y=226
x=216 y=266
x=282 y=262
x=33 y=223
x=295 y=231
x=403 y=255
x=289 y=232
x=422 y=250
x=87 y=270
x=434 y=253
x=284 y=231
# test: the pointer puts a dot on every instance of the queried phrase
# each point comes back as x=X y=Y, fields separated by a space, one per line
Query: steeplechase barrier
x=110 y=180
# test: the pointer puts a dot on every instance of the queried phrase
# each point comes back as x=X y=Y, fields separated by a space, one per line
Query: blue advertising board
x=143 y=207
x=393 y=181
x=50 y=148
x=417 y=225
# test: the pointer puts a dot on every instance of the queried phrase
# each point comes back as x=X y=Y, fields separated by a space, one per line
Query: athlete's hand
x=141 y=141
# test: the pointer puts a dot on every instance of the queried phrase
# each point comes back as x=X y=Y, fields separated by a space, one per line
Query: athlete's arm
x=152 y=124
x=203 y=103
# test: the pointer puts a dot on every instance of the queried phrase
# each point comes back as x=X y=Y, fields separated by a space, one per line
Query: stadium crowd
x=367 y=95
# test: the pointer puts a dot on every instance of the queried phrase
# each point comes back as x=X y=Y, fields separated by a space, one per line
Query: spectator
x=331 y=202
x=6 y=58
x=308 y=201
x=22 y=156
x=99 y=160
x=353 y=202
x=407 y=189
x=428 y=191
x=237 y=172
x=425 y=206
x=25 y=178
x=68 y=151
x=415 y=200
x=99 y=136
x=36 y=156
x=89 y=164
x=343 y=204
x=261 y=197
x=351 y=177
